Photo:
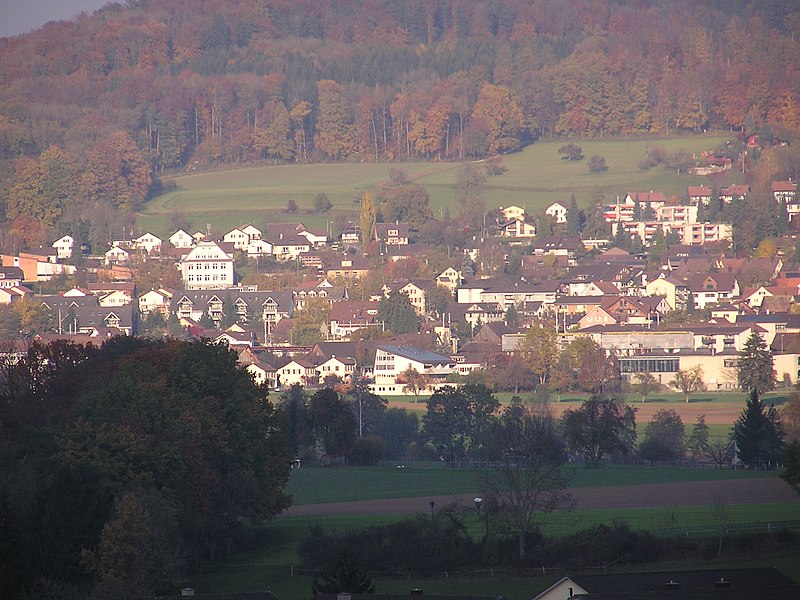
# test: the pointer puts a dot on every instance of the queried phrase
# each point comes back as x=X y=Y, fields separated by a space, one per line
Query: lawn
x=535 y=177
x=318 y=485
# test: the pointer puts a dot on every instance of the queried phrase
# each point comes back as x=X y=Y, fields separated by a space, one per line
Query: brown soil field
x=653 y=495
x=716 y=413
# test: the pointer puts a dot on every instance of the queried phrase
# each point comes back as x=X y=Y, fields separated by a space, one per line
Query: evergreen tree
x=698 y=442
x=398 y=314
x=573 y=217
x=755 y=367
x=758 y=433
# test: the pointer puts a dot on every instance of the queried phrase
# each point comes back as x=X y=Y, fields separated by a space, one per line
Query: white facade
x=181 y=239
x=207 y=266
x=558 y=212
x=238 y=238
x=64 y=247
x=154 y=300
x=148 y=242
x=116 y=255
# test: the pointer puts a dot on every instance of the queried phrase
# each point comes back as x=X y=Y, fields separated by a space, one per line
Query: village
x=688 y=306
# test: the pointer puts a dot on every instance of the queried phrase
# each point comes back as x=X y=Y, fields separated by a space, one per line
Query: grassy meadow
x=535 y=177
x=319 y=485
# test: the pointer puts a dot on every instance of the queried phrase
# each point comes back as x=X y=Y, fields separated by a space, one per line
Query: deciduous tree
x=598 y=428
x=689 y=381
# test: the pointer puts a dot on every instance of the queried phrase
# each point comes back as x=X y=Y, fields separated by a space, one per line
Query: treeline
x=385 y=79
x=122 y=468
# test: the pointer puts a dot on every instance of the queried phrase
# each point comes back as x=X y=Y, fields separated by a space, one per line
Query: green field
x=535 y=178
x=273 y=563
x=317 y=485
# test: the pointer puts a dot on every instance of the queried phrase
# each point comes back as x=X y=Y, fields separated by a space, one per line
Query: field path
x=650 y=495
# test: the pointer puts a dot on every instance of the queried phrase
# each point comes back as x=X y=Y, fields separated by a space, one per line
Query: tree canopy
x=147 y=454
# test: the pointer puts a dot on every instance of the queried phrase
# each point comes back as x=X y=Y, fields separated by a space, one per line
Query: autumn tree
x=501 y=116
x=367 y=217
x=645 y=384
x=118 y=173
x=407 y=203
x=689 y=381
x=597 y=164
x=309 y=324
x=335 y=135
x=539 y=351
x=414 y=382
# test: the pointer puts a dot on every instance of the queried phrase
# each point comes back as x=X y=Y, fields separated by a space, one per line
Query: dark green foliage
x=397 y=428
x=571 y=152
x=366 y=452
x=335 y=427
x=175 y=427
x=663 y=437
x=458 y=419
x=600 y=427
x=755 y=369
x=321 y=203
x=791 y=465
x=397 y=313
x=344 y=576
x=421 y=544
x=597 y=164
x=758 y=434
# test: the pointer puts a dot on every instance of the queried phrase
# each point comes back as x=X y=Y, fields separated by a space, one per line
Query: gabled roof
x=416 y=354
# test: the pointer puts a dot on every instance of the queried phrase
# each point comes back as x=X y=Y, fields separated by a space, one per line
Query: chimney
x=187 y=592
x=672 y=585
x=416 y=592
x=722 y=583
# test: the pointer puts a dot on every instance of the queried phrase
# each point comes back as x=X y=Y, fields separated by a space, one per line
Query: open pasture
x=535 y=177
x=317 y=485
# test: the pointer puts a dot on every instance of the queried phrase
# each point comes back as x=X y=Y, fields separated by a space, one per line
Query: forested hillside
x=93 y=110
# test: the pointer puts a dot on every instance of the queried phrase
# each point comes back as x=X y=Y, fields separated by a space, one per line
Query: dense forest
x=92 y=110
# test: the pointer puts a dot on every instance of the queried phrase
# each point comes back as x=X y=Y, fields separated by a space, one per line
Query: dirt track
x=652 y=495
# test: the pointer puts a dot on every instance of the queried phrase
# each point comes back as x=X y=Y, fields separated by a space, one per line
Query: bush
x=597 y=164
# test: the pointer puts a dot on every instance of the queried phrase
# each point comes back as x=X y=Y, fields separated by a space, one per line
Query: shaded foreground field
x=654 y=495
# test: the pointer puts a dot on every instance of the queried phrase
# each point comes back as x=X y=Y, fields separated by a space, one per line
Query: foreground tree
x=345 y=576
x=791 y=465
x=755 y=369
x=598 y=428
x=138 y=444
x=698 y=443
x=663 y=437
x=527 y=478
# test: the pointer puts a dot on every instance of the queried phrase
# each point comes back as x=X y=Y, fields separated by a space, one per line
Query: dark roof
x=730 y=584
x=414 y=353
x=409 y=596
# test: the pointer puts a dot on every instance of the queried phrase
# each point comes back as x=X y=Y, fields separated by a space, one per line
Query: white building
x=391 y=361
x=64 y=247
x=558 y=212
x=116 y=255
x=207 y=266
x=148 y=242
x=181 y=239
x=157 y=300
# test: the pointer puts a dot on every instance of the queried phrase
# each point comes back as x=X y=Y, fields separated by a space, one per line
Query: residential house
x=729 y=193
x=391 y=234
x=699 y=194
x=673 y=290
x=415 y=290
x=209 y=265
x=181 y=239
x=558 y=245
x=506 y=290
x=352 y=315
x=116 y=255
x=10 y=295
x=302 y=371
x=288 y=247
x=322 y=290
x=517 y=228
x=238 y=238
x=512 y=212
x=259 y=248
x=558 y=212
x=252 y=232
x=148 y=242
x=449 y=279
x=475 y=313
x=350 y=235
x=348 y=269
x=64 y=246
x=11 y=277
x=155 y=300
x=712 y=288
x=785 y=192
